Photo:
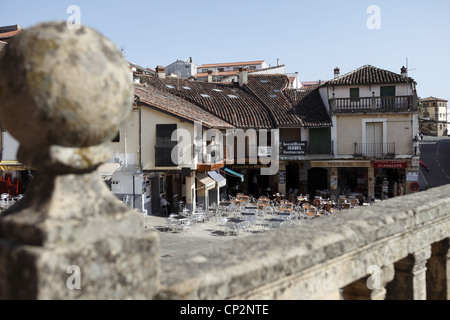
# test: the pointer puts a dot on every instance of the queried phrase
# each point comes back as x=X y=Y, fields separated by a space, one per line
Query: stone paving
x=200 y=235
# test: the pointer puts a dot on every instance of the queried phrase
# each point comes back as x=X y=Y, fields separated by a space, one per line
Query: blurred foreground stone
x=63 y=95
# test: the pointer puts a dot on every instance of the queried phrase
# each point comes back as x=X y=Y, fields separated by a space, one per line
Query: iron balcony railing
x=375 y=150
x=374 y=104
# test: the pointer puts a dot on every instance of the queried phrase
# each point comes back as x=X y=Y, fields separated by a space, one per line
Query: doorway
x=317 y=180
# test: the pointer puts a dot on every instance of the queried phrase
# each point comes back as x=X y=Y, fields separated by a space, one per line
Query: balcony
x=375 y=150
x=374 y=104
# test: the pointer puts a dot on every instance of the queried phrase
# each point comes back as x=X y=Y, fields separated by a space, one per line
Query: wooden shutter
x=164 y=145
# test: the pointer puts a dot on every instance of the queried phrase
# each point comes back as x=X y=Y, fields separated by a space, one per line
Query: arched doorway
x=317 y=180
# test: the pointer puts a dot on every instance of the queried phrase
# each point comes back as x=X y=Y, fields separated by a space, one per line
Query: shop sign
x=390 y=164
x=294 y=147
x=412 y=176
x=341 y=164
x=248 y=166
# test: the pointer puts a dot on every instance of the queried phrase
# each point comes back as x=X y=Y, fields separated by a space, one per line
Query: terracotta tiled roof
x=309 y=107
x=10 y=34
x=171 y=104
x=229 y=64
x=228 y=101
x=369 y=75
x=434 y=99
x=220 y=73
x=268 y=88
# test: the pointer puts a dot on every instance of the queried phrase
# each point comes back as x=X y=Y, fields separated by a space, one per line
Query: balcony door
x=387 y=94
x=374 y=138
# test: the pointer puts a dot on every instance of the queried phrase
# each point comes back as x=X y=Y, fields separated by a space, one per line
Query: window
x=117 y=137
x=186 y=87
x=205 y=70
x=164 y=145
x=170 y=86
x=320 y=141
x=232 y=96
x=221 y=69
x=354 y=94
x=205 y=95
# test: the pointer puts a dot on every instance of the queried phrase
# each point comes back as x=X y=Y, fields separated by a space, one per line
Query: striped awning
x=206 y=181
x=220 y=179
x=106 y=170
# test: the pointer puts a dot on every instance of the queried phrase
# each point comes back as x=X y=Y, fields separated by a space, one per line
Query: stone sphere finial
x=63 y=87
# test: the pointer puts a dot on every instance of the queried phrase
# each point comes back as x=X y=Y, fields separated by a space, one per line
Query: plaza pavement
x=200 y=235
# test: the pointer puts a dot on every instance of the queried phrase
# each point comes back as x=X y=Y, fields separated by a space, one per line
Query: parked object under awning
x=220 y=179
x=206 y=181
x=106 y=170
x=235 y=174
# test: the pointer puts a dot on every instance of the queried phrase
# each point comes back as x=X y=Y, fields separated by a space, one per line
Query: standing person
x=165 y=204
x=421 y=136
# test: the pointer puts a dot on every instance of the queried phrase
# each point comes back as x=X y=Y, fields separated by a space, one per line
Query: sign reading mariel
x=293 y=147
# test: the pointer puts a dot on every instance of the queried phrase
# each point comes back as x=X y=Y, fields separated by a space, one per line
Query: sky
x=308 y=37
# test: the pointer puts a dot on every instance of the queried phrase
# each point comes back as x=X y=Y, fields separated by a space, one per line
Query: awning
x=220 y=179
x=207 y=181
x=106 y=170
x=234 y=174
x=424 y=165
x=12 y=165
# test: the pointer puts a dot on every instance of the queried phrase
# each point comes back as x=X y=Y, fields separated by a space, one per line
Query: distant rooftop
x=434 y=99
x=9 y=32
x=231 y=64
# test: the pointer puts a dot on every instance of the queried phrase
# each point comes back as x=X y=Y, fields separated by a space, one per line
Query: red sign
x=390 y=164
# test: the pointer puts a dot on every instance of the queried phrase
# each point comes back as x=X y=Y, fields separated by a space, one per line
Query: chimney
x=210 y=75
x=404 y=71
x=243 y=76
x=161 y=72
x=337 y=72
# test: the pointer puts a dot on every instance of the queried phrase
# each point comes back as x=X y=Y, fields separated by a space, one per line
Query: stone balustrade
x=63 y=94
x=396 y=249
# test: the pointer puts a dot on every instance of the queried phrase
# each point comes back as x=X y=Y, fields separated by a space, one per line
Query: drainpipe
x=139 y=111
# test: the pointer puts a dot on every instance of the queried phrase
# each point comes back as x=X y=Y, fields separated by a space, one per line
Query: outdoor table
x=179 y=221
x=233 y=224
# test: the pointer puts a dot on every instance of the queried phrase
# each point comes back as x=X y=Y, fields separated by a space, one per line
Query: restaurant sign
x=341 y=164
x=390 y=164
x=293 y=147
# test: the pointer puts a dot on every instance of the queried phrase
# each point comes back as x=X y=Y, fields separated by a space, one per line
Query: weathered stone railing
x=63 y=94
